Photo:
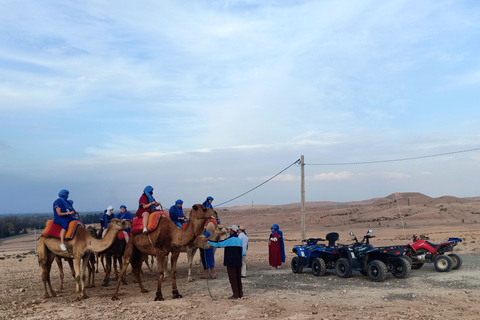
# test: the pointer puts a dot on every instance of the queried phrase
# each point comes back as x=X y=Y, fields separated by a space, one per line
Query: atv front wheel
x=443 y=263
x=342 y=268
x=401 y=267
x=457 y=261
x=318 y=267
x=377 y=271
x=296 y=268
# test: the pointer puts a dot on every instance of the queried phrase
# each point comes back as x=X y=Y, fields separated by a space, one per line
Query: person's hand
x=205 y=239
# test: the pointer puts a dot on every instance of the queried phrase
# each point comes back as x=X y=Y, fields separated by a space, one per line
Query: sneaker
x=145 y=230
x=232 y=298
x=63 y=247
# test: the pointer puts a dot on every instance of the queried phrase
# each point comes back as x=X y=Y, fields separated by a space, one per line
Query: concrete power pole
x=302 y=165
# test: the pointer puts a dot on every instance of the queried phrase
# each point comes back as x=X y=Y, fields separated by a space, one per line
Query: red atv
x=421 y=251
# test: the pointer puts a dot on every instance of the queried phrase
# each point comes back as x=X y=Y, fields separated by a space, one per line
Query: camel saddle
x=153 y=219
x=53 y=230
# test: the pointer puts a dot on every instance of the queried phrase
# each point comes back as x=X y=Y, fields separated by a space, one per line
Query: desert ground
x=279 y=294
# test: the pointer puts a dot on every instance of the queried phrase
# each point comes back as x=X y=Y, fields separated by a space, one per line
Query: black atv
x=372 y=261
x=319 y=257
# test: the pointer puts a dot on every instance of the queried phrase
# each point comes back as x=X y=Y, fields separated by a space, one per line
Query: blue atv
x=318 y=257
x=375 y=262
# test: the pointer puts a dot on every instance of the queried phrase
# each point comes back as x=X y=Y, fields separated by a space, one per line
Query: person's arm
x=60 y=213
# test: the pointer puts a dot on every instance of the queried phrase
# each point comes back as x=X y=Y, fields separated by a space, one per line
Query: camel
x=216 y=232
x=79 y=249
x=166 y=238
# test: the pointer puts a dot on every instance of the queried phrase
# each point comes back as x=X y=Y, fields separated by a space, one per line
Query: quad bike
x=422 y=251
x=319 y=257
x=375 y=262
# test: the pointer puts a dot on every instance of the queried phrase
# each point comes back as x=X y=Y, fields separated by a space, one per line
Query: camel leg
x=165 y=267
x=173 y=274
x=137 y=269
x=127 y=257
x=45 y=260
x=77 y=261
x=108 y=269
x=160 y=257
x=190 y=256
x=84 y=263
x=98 y=261
x=58 y=260
x=91 y=271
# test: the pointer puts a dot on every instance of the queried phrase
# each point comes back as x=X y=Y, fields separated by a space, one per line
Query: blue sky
x=200 y=98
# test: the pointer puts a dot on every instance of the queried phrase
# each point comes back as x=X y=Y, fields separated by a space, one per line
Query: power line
x=261 y=184
x=391 y=160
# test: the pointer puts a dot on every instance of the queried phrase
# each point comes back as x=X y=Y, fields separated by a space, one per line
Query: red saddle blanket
x=153 y=219
x=212 y=220
x=53 y=229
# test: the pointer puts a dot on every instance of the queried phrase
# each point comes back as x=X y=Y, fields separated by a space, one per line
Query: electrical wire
x=391 y=160
x=261 y=184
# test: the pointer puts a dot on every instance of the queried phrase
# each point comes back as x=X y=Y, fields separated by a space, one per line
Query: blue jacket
x=233 y=250
x=175 y=212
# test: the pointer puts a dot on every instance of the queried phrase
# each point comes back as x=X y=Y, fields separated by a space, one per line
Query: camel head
x=199 y=214
x=119 y=224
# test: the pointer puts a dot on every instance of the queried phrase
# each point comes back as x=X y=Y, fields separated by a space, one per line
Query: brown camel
x=216 y=232
x=79 y=249
x=166 y=238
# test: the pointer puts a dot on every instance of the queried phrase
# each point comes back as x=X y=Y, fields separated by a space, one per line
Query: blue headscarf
x=63 y=196
x=148 y=192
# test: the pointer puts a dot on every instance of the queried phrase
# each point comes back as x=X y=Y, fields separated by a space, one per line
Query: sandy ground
x=278 y=294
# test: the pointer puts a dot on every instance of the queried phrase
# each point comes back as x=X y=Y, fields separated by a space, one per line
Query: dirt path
x=277 y=294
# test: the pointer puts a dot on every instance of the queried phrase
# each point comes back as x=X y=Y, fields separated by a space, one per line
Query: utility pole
x=302 y=165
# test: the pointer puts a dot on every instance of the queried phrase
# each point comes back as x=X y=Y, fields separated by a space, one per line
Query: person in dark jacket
x=232 y=259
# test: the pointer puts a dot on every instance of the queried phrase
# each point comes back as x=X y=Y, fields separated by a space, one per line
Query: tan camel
x=216 y=232
x=79 y=249
x=166 y=238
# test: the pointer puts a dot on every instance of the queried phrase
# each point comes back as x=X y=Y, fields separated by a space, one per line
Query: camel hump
x=53 y=230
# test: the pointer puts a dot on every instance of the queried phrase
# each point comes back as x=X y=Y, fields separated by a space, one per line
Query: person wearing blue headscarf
x=208 y=202
x=176 y=213
x=146 y=205
x=62 y=214
x=276 y=248
x=125 y=215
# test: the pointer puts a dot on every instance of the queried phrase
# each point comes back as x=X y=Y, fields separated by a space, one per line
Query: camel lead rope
x=205 y=260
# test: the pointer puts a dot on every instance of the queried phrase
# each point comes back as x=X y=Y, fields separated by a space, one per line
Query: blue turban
x=179 y=201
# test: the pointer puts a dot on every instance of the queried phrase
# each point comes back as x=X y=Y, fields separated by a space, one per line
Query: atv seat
x=331 y=238
x=432 y=244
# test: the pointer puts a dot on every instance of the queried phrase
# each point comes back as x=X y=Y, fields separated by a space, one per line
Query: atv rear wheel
x=296 y=268
x=318 y=267
x=377 y=271
x=401 y=267
x=416 y=266
x=443 y=263
x=457 y=261
x=342 y=268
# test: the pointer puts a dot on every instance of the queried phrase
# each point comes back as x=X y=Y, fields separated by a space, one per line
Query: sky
x=213 y=98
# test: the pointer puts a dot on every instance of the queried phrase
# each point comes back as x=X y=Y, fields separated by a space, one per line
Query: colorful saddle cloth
x=53 y=229
x=153 y=219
